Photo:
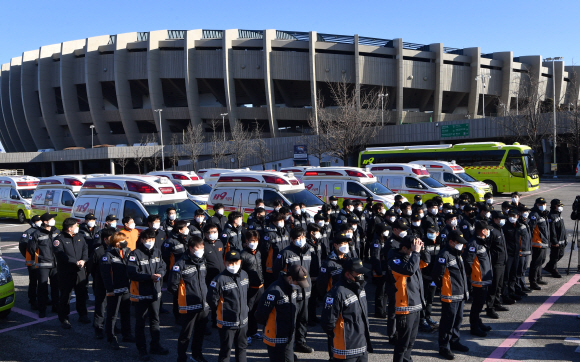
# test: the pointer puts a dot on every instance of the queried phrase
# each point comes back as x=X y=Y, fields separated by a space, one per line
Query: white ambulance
x=211 y=175
x=137 y=196
x=409 y=179
x=239 y=191
x=195 y=186
x=452 y=175
x=346 y=183
x=298 y=171
x=56 y=195
x=16 y=196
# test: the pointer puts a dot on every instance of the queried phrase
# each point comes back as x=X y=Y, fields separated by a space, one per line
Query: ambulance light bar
x=101 y=185
x=141 y=187
x=420 y=172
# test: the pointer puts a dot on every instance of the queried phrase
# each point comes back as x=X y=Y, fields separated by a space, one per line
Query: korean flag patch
x=442 y=260
x=104 y=258
x=323 y=270
x=166 y=245
x=24 y=235
x=329 y=300
x=266 y=238
x=30 y=237
x=56 y=243
x=397 y=261
x=279 y=256
x=212 y=284
x=338 y=221
x=224 y=235
x=270 y=297
x=465 y=226
x=533 y=218
x=251 y=227
x=472 y=248
x=443 y=236
x=376 y=245
x=131 y=258
x=175 y=268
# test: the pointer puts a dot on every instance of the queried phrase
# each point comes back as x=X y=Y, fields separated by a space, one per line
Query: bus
x=505 y=168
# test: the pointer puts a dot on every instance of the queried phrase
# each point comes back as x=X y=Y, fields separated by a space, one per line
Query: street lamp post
x=382 y=96
x=483 y=77
x=224 y=124
x=161 y=138
x=92 y=126
x=553 y=59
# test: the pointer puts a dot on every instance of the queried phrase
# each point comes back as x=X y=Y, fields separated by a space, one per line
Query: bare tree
x=318 y=142
x=219 y=147
x=155 y=160
x=260 y=145
x=139 y=154
x=349 y=124
x=193 y=139
x=175 y=151
x=122 y=161
x=242 y=144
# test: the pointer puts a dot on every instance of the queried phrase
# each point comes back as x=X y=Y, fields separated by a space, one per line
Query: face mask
x=320 y=223
x=525 y=215
x=434 y=211
x=354 y=227
x=326 y=223
x=297 y=212
x=502 y=222
x=421 y=215
x=459 y=247
x=402 y=234
x=172 y=217
x=348 y=235
x=303 y=211
x=420 y=202
x=560 y=209
x=233 y=269
x=454 y=223
x=185 y=232
x=489 y=201
x=212 y=236
x=461 y=207
x=91 y=224
x=281 y=224
x=113 y=224
x=38 y=224
x=359 y=208
x=198 y=253
x=200 y=219
x=417 y=223
x=122 y=244
x=253 y=246
x=398 y=211
x=447 y=211
x=514 y=200
x=409 y=212
x=317 y=236
x=487 y=215
x=131 y=226
x=542 y=207
x=334 y=203
x=343 y=249
x=392 y=219
x=287 y=217
x=220 y=211
x=386 y=233
x=383 y=211
x=350 y=208
x=431 y=236
x=513 y=219
x=149 y=245
x=360 y=278
x=277 y=209
x=51 y=222
x=300 y=242
x=156 y=225
x=76 y=230
x=440 y=207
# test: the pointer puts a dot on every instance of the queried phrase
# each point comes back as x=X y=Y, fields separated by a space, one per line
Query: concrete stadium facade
x=50 y=97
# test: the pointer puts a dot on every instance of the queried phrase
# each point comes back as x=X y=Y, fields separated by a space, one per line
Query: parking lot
x=541 y=327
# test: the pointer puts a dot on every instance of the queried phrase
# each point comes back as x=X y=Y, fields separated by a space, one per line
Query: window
x=413 y=183
x=431 y=182
x=337 y=189
x=198 y=190
x=355 y=189
x=134 y=211
x=270 y=197
x=185 y=209
x=378 y=189
x=304 y=196
x=449 y=177
x=26 y=194
x=14 y=194
x=514 y=163
x=252 y=198
x=67 y=199
x=393 y=182
x=114 y=208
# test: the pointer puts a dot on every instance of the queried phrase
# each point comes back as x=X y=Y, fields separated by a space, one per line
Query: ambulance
x=211 y=175
x=16 y=195
x=195 y=186
x=137 y=196
x=409 y=179
x=57 y=195
x=238 y=191
x=7 y=294
x=298 y=171
x=346 y=183
x=452 y=175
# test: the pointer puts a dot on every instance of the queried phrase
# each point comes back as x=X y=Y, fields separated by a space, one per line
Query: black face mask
x=360 y=279
x=261 y=218
x=122 y=244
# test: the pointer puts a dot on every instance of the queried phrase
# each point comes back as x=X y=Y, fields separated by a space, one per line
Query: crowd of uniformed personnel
x=278 y=267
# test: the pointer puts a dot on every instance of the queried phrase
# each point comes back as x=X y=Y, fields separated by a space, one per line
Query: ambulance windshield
x=185 y=208
x=26 y=194
x=303 y=196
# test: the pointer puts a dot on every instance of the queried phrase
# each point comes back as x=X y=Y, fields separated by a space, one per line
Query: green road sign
x=454 y=130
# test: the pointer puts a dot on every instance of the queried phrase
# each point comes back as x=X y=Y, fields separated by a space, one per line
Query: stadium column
x=4 y=136
x=473 y=102
x=16 y=105
x=574 y=84
x=507 y=70
x=30 y=100
x=93 y=72
x=190 y=80
x=534 y=68
x=122 y=87
x=357 y=70
x=312 y=37
x=154 y=80
x=7 y=109
x=558 y=77
x=46 y=94
x=229 y=84
x=268 y=37
x=398 y=44
x=438 y=94
x=80 y=133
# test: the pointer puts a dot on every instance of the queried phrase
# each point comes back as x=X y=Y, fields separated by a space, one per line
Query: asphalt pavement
x=541 y=327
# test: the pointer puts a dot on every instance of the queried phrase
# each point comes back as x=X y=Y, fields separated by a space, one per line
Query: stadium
x=104 y=90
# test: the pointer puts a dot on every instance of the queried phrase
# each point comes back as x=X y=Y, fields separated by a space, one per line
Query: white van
x=195 y=186
x=452 y=175
x=239 y=192
x=16 y=196
x=298 y=171
x=137 y=196
x=346 y=183
x=56 y=195
x=211 y=175
x=409 y=179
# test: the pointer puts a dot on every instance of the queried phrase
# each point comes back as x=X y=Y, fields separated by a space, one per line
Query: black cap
x=540 y=200
x=333 y=198
x=381 y=228
x=352 y=220
x=347 y=202
x=233 y=255
x=497 y=215
x=506 y=204
x=340 y=238
x=450 y=216
x=406 y=242
x=432 y=230
x=447 y=206
x=90 y=217
x=35 y=218
x=456 y=236
x=299 y=274
x=512 y=212
x=401 y=224
x=354 y=265
x=523 y=208
x=484 y=207
x=370 y=199
x=480 y=225
x=556 y=202
x=390 y=212
x=488 y=195
x=46 y=216
x=516 y=194
x=418 y=197
x=429 y=204
x=111 y=218
x=415 y=217
x=469 y=207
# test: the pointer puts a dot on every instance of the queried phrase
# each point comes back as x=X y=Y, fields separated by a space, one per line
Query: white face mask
x=447 y=211
x=186 y=231
x=409 y=212
x=300 y=242
x=487 y=215
x=419 y=202
x=348 y=235
x=303 y=211
x=560 y=209
x=172 y=216
x=220 y=211
x=198 y=253
x=76 y=230
x=156 y=225
x=320 y=223
x=113 y=224
x=398 y=211
x=525 y=215
x=326 y=223
x=431 y=236
x=233 y=269
x=350 y=208
x=542 y=207
x=131 y=226
x=91 y=224
x=386 y=233
x=317 y=235
x=434 y=211
x=513 y=219
x=343 y=249
x=277 y=208
x=392 y=219
x=454 y=223
x=200 y=219
x=354 y=227
x=212 y=236
x=459 y=247
x=149 y=245
x=51 y=222
x=253 y=246
x=502 y=222
x=417 y=223
x=359 y=208
x=38 y=224
x=421 y=215
x=334 y=203
x=287 y=217
x=280 y=224
x=514 y=199
x=402 y=234
x=383 y=211
x=489 y=201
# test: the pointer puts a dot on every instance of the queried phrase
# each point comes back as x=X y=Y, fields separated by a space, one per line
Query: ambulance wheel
x=4 y=314
x=469 y=197
x=493 y=187
x=21 y=217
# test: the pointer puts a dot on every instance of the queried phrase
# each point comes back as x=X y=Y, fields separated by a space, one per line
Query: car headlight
x=442 y=194
x=5 y=276
x=201 y=202
x=478 y=190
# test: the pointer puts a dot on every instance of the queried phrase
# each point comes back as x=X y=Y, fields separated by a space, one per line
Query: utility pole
x=161 y=137
x=554 y=104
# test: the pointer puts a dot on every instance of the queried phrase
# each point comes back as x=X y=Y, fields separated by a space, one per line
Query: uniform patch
x=266 y=238
x=131 y=258
x=338 y=221
x=251 y=227
x=465 y=226
x=472 y=248
x=175 y=268
x=270 y=297
x=56 y=243
x=104 y=258
x=219 y=249
x=376 y=245
x=443 y=236
x=225 y=235
x=397 y=261
x=533 y=218
x=323 y=270
x=166 y=245
x=442 y=260
x=96 y=236
x=212 y=284
x=30 y=237
x=329 y=300
x=279 y=256
x=24 y=235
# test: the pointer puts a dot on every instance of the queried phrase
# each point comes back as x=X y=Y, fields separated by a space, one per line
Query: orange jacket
x=132 y=237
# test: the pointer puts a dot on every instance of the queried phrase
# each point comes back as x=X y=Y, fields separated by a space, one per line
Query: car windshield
x=465 y=177
x=26 y=194
x=185 y=208
x=431 y=182
x=531 y=167
x=303 y=196
x=378 y=189
x=198 y=190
